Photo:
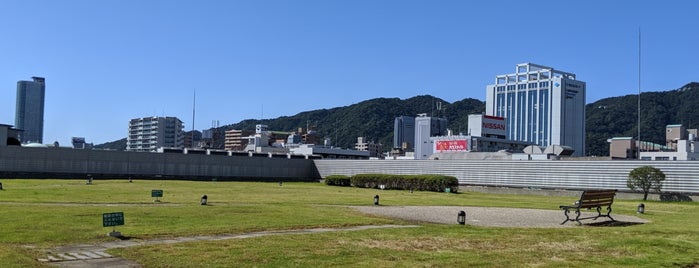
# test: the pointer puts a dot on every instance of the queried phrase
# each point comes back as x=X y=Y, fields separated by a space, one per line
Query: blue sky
x=106 y=62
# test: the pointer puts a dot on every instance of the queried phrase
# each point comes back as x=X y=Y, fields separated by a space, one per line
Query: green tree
x=644 y=179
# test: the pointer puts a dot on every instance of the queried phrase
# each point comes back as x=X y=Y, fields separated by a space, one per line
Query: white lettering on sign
x=493 y=126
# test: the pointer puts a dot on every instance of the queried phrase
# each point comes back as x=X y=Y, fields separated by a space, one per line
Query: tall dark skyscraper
x=404 y=132
x=29 y=115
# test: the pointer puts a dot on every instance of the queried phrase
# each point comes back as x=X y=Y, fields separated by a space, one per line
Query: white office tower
x=426 y=127
x=541 y=105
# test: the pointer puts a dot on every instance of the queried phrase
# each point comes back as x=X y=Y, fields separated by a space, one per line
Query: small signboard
x=451 y=146
x=112 y=219
x=156 y=193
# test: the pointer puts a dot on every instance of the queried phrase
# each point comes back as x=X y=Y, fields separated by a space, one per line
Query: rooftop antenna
x=639 y=95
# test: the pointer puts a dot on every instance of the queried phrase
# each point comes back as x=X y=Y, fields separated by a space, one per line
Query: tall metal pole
x=194 y=108
x=639 y=94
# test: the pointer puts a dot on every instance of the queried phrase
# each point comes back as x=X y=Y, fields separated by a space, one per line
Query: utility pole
x=638 y=157
x=194 y=108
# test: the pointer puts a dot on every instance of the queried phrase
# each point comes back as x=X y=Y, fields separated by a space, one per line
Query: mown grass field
x=37 y=215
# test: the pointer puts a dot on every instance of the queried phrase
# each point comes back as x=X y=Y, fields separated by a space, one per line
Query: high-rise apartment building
x=236 y=139
x=426 y=127
x=541 y=105
x=150 y=133
x=29 y=111
x=404 y=132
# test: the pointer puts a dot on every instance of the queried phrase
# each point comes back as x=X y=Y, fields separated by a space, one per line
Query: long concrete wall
x=72 y=163
x=681 y=176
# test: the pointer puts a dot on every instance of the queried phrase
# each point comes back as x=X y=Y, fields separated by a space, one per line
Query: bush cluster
x=338 y=180
x=427 y=182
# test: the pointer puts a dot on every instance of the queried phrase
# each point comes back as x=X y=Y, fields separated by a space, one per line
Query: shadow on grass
x=612 y=224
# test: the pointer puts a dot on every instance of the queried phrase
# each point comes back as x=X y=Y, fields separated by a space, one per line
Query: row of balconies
x=147 y=131
x=141 y=143
x=139 y=137
x=141 y=133
x=142 y=128
x=145 y=124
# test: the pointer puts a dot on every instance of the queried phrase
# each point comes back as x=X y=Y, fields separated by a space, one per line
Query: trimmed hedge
x=338 y=180
x=427 y=182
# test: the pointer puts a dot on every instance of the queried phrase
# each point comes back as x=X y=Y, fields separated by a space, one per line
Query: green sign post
x=113 y=219
x=157 y=194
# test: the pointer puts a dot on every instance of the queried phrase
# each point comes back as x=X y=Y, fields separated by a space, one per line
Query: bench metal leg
x=577 y=216
x=599 y=213
x=567 y=218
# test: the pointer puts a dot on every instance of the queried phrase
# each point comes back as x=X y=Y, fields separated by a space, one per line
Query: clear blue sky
x=106 y=62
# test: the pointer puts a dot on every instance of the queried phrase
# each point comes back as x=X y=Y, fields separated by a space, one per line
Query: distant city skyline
x=251 y=60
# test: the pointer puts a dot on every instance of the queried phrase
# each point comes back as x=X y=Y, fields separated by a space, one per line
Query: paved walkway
x=83 y=256
x=493 y=217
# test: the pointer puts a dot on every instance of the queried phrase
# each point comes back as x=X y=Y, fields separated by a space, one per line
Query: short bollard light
x=641 y=208
x=461 y=218
x=376 y=200
x=382 y=186
x=204 y=199
x=0 y=185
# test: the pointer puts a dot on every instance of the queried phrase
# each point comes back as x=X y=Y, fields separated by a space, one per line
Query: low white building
x=680 y=145
x=686 y=150
x=328 y=152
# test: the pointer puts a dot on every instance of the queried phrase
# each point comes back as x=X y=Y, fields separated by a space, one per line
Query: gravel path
x=489 y=216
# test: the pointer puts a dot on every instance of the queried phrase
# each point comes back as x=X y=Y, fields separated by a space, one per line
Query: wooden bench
x=591 y=199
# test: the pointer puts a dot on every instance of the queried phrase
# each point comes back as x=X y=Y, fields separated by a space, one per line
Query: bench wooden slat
x=599 y=193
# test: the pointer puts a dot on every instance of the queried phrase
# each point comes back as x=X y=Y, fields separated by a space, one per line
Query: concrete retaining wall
x=72 y=163
x=681 y=176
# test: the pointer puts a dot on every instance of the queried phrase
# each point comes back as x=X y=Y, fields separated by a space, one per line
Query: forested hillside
x=372 y=119
x=618 y=116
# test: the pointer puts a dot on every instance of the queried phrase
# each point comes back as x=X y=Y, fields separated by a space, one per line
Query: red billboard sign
x=451 y=146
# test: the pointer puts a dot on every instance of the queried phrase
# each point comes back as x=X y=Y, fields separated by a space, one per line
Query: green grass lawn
x=37 y=215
